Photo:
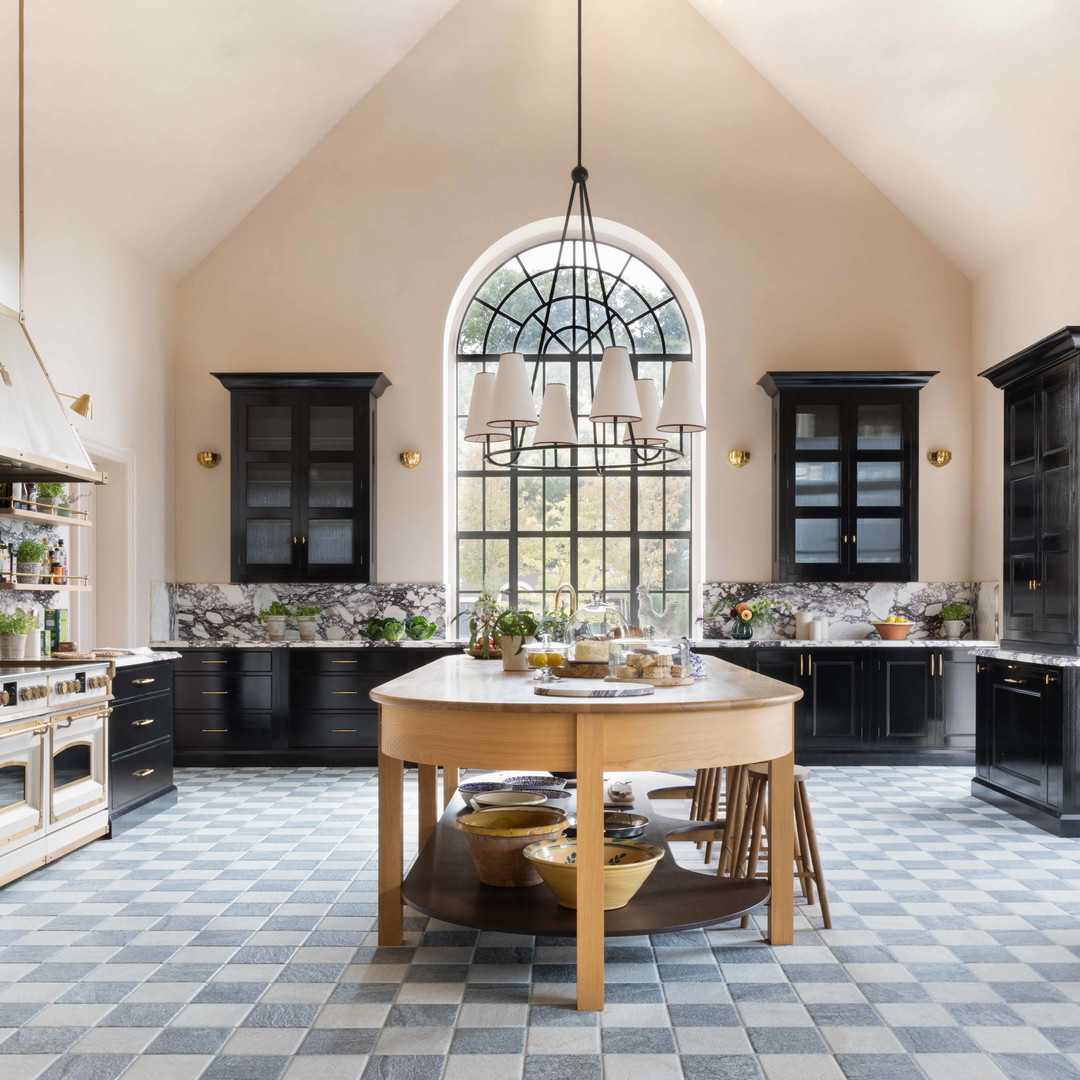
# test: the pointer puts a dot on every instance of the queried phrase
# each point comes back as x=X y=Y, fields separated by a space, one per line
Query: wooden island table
x=463 y=713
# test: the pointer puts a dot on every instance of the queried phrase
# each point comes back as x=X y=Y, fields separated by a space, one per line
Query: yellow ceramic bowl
x=496 y=838
x=627 y=863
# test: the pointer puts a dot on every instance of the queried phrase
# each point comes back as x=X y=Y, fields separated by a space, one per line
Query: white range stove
x=53 y=755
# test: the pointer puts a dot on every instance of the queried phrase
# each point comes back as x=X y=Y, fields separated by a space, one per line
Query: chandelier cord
x=579 y=82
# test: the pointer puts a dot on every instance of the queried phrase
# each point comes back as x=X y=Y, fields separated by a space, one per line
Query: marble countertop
x=142 y=655
x=697 y=643
x=1048 y=659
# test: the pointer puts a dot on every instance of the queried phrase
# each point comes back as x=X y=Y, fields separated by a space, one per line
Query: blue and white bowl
x=555 y=796
x=478 y=787
x=547 y=781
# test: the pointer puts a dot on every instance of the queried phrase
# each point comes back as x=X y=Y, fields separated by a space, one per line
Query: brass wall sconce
x=208 y=459
x=83 y=404
x=738 y=458
x=939 y=458
x=410 y=458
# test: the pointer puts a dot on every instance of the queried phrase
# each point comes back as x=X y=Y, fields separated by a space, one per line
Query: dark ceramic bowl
x=618 y=825
x=547 y=781
x=556 y=796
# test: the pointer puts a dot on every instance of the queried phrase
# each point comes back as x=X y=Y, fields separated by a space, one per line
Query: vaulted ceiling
x=167 y=120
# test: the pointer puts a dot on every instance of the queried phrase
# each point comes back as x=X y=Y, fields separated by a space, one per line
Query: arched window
x=525 y=533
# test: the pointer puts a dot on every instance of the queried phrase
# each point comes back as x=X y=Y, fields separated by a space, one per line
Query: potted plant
x=65 y=503
x=47 y=494
x=274 y=616
x=953 y=617
x=747 y=615
x=28 y=556
x=307 y=621
x=515 y=628
x=418 y=628
x=14 y=626
x=484 y=640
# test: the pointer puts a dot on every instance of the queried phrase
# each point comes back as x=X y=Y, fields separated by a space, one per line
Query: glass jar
x=590 y=629
x=637 y=658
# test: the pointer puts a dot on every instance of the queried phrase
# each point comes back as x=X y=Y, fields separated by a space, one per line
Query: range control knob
x=5 y=698
x=42 y=691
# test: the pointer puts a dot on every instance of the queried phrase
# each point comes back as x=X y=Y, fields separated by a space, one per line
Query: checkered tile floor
x=230 y=938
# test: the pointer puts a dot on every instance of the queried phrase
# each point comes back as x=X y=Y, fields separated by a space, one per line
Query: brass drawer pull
x=1050 y=679
x=213 y=661
x=1019 y=682
x=140 y=773
x=214 y=730
x=215 y=693
x=340 y=692
x=141 y=723
x=344 y=730
x=344 y=661
x=143 y=682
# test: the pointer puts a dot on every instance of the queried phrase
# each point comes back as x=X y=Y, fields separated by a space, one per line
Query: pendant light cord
x=579 y=82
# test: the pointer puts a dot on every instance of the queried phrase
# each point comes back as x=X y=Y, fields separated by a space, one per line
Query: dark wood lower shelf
x=443 y=884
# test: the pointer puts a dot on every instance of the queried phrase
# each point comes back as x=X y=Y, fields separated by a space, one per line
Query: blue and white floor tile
x=231 y=938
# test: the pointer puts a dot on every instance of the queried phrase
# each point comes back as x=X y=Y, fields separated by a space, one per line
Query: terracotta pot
x=275 y=627
x=496 y=839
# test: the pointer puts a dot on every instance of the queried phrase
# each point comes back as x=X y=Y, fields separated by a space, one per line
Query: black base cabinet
x=877 y=705
x=1027 y=748
x=280 y=706
x=140 y=737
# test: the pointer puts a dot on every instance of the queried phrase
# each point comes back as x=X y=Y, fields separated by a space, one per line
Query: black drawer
x=139 y=776
x=320 y=729
x=224 y=693
x=225 y=660
x=142 y=679
x=340 y=693
x=346 y=661
x=223 y=731
x=137 y=722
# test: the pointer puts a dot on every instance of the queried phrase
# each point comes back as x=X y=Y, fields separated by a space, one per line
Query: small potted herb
x=28 y=556
x=65 y=503
x=515 y=628
x=274 y=616
x=307 y=621
x=418 y=628
x=47 y=494
x=14 y=626
x=953 y=617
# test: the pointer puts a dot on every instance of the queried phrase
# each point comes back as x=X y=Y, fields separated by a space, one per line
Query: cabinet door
x=906 y=713
x=1017 y=741
x=266 y=496
x=957 y=679
x=833 y=714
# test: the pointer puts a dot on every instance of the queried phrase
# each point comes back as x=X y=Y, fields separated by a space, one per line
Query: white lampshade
x=476 y=429
x=556 y=427
x=681 y=410
x=644 y=433
x=512 y=401
x=615 y=400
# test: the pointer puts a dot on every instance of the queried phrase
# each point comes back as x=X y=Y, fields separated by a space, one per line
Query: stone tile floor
x=230 y=938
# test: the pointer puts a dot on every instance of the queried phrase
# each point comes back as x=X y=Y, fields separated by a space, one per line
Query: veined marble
x=224 y=612
x=15 y=531
x=853 y=607
x=1047 y=659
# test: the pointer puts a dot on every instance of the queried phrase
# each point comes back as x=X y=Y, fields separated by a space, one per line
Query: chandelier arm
x=585 y=271
x=606 y=293
x=555 y=272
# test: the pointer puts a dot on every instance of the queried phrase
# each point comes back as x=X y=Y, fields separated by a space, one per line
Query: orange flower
x=746 y=614
x=740 y=608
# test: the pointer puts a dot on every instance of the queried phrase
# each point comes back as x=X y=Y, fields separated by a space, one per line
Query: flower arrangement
x=756 y=612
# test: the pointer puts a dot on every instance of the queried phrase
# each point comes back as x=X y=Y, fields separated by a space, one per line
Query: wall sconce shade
x=939 y=458
x=83 y=405
x=410 y=458
x=208 y=459
x=738 y=458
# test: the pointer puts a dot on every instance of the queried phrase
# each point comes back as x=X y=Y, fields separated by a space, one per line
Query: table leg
x=391 y=862
x=426 y=779
x=781 y=850
x=590 y=872
x=449 y=783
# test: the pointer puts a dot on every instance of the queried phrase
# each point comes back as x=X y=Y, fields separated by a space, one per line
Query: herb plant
x=32 y=551
x=276 y=608
x=954 y=612
x=16 y=622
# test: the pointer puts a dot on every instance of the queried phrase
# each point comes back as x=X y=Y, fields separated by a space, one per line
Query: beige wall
x=351 y=262
x=103 y=322
x=1030 y=294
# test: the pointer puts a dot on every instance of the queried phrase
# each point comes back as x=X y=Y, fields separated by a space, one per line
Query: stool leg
x=811 y=839
x=756 y=829
x=712 y=810
x=803 y=869
x=734 y=814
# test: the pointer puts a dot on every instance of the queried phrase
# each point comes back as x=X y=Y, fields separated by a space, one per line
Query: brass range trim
x=54 y=817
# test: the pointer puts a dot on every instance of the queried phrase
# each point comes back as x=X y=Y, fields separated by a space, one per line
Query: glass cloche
x=637 y=658
x=590 y=629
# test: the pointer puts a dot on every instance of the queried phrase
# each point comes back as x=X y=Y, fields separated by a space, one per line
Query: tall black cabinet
x=845 y=455
x=303 y=477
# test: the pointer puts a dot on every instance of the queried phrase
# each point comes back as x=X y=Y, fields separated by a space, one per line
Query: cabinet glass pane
x=269 y=543
x=330 y=427
x=817 y=427
x=817 y=483
x=878 y=540
x=877 y=483
x=330 y=542
x=330 y=484
x=817 y=540
x=879 y=427
x=12 y=785
x=269 y=427
x=269 y=484
x=71 y=765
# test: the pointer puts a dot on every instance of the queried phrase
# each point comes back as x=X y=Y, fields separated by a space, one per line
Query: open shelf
x=10 y=586
x=78 y=519
x=443 y=884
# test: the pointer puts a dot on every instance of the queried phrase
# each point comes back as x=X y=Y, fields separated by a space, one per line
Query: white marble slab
x=1047 y=659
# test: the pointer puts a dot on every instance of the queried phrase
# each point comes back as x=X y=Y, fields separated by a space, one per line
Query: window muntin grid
x=525 y=533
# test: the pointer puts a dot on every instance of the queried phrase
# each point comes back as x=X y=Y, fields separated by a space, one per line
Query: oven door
x=77 y=784
x=22 y=813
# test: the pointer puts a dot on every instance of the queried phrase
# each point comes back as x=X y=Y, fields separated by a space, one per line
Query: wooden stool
x=716 y=790
x=751 y=843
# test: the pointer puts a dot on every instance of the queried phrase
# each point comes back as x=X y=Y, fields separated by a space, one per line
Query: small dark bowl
x=553 y=795
x=618 y=825
x=480 y=786
x=547 y=781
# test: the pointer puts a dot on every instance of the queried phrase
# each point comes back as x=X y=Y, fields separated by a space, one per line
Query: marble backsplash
x=852 y=607
x=223 y=612
x=13 y=532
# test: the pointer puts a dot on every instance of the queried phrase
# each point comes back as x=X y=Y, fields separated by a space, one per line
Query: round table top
x=460 y=683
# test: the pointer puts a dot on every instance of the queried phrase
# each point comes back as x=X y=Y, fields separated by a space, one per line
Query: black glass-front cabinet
x=845 y=454
x=303 y=475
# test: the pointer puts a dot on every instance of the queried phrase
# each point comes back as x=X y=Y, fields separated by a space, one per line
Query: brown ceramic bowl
x=894 y=631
